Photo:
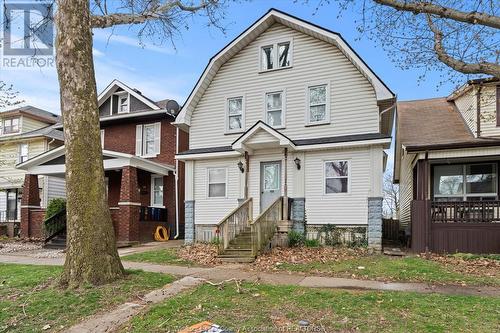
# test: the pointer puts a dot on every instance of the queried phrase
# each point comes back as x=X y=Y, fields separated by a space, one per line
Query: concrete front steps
x=239 y=249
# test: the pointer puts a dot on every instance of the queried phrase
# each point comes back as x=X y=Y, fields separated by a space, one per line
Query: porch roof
x=52 y=163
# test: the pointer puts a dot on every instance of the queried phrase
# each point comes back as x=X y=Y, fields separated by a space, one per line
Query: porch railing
x=54 y=225
x=265 y=225
x=8 y=216
x=234 y=223
x=487 y=211
x=152 y=214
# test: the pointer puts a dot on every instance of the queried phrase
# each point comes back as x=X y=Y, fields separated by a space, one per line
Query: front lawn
x=30 y=298
x=279 y=309
x=166 y=256
x=354 y=263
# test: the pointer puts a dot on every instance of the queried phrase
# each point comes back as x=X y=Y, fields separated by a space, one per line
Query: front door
x=270 y=183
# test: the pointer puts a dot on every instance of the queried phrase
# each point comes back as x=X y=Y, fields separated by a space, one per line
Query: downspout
x=176 y=173
x=478 y=110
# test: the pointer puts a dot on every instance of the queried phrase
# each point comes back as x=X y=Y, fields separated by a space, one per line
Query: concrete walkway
x=225 y=272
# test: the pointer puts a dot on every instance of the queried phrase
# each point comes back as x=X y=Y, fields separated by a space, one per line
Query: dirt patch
x=200 y=253
x=480 y=267
x=304 y=255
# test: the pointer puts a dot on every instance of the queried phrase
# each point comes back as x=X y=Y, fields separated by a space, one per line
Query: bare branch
x=459 y=65
x=156 y=12
x=426 y=7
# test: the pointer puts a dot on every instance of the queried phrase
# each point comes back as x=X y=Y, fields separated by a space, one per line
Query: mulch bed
x=200 y=253
x=483 y=267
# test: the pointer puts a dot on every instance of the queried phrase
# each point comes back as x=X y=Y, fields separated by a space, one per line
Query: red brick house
x=145 y=183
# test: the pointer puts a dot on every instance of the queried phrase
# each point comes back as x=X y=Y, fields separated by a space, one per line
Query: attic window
x=10 y=125
x=276 y=56
x=123 y=104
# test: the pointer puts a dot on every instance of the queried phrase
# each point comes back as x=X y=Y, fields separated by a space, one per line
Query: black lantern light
x=297 y=162
x=240 y=166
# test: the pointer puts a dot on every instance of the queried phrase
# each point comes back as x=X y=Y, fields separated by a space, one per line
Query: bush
x=295 y=238
x=55 y=206
x=312 y=243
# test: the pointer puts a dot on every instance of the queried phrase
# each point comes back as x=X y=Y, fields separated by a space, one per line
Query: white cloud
x=110 y=37
x=96 y=53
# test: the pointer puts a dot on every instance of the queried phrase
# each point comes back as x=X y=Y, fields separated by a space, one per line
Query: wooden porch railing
x=234 y=223
x=265 y=225
x=487 y=211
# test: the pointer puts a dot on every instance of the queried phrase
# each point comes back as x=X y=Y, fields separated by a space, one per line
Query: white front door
x=270 y=183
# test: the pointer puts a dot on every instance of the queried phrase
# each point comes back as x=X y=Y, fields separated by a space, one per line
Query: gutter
x=176 y=173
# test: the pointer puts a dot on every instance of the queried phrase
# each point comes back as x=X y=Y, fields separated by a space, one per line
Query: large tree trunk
x=91 y=255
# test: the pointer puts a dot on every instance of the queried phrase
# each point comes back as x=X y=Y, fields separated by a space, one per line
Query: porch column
x=29 y=202
x=128 y=222
x=285 y=186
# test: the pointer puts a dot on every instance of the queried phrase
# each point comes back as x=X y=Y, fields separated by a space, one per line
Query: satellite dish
x=172 y=107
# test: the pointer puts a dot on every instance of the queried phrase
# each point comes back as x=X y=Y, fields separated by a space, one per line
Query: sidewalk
x=225 y=272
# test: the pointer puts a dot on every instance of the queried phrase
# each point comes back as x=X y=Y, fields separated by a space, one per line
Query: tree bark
x=91 y=255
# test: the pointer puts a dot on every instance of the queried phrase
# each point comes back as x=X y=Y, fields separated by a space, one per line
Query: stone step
x=238 y=259
x=238 y=252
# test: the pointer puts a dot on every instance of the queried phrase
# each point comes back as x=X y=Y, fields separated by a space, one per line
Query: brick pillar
x=29 y=201
x=128 y=221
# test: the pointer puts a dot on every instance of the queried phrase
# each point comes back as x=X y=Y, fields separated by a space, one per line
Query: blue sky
x=160 y=71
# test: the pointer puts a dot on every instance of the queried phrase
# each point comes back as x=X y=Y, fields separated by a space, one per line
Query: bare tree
x=452 y=36
x=92 y=256
x=391 y=198
x=8 y=95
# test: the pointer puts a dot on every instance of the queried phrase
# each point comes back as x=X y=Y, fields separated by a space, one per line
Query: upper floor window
x=318 y=104
x=336 y=177
x=217 y=180
x=274 y=109
x=235 y=115
x=147 y=140
x=277 y=55
x=10 y=125
x=123 y=104
x=23 y=152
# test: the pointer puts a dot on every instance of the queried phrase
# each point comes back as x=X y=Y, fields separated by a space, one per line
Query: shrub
x=295 y=238
x=55 y=206
x=312 y=243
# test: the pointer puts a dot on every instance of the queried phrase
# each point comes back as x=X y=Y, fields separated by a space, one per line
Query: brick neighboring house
x=139 y=146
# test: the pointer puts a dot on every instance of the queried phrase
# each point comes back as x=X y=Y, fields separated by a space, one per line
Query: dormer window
x=10 y=125
x=276 y=56
x=123 y=104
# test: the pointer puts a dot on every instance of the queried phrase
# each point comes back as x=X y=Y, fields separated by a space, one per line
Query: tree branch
x=425 y=7
x=456 y=64
x=106 y=21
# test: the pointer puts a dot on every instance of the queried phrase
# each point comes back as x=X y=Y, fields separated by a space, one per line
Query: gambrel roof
x=246 y=37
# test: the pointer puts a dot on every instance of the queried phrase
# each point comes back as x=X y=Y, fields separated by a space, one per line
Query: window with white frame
x=157 y=191
x=319 y=110
x=147 y=139
x=276 y=55
x=123 y=103
x=274 y=109
x=217 y=179
x=23 y=152
x=102 y=139
x=235 y=114
x=336 y=177
x=10 y=125
x=457 y=182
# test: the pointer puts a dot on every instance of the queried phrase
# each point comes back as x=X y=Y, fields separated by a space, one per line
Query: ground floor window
x=157 y=191
x=457 y=182
x=336 y=177
x=217 y=180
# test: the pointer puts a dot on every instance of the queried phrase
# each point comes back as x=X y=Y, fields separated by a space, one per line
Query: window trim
x=283 y=107
x=144 y=141
x=19 y=125
x=152 y=196
x=327 y=120
x=464 y=193
x=19 y=157
x=102 y=138
x=274 y=44
x=349 y=176
x=121 y=95
x=226 y=108
x=208 y=182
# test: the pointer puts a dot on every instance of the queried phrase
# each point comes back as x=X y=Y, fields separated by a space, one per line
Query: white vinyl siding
x=28 y=124
x=467 y=105
x=212 y=210
x=353 y=103
x=56 y=188
x=406 y=189
x=346 y=209
x=147 y=139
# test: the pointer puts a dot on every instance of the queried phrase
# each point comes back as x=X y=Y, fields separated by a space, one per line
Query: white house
x=286 y=110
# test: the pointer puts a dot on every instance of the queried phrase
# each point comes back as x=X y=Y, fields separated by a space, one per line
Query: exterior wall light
x=240 y=166
x=297 y=162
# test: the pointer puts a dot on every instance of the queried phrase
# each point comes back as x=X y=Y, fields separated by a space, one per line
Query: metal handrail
x=233 y=224
x=265 y=225
x=54 y=225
